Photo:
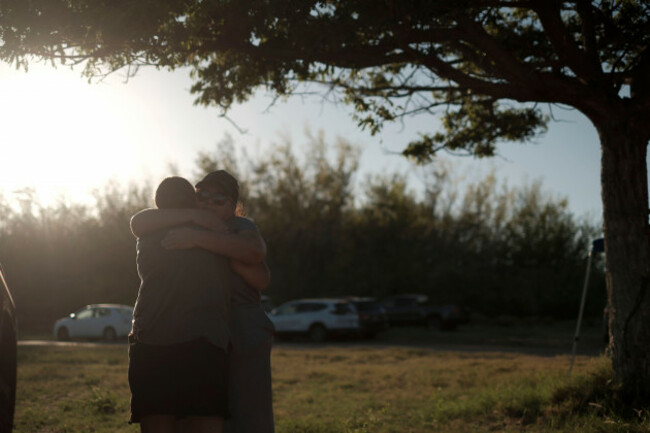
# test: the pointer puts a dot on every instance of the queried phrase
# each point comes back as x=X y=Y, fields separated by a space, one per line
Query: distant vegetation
x=494 y=248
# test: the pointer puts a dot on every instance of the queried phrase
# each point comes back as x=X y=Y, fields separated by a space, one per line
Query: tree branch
x=509 y=67
x=585 y=11
x=497 y=90
x=639 y=86
x=569 y=54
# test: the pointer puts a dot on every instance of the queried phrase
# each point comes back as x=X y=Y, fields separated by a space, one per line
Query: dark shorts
x=186 y=379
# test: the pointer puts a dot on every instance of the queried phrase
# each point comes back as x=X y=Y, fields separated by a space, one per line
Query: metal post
x=582 y=308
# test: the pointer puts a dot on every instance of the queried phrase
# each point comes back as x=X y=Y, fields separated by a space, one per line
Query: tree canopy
x=467 y=59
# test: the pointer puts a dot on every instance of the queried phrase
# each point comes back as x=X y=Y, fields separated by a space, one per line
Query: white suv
x=315 y=318
x=107 y=321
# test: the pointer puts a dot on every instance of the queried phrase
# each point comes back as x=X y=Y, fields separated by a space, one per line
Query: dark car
x=7 y=356
x=372 y=316
x=415 y=309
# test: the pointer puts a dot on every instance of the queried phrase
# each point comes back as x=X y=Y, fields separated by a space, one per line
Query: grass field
x=349 y=388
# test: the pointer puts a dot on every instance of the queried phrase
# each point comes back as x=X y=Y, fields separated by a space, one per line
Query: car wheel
x=434 y=323
x=109 y=334
x=317 y=333
x=62 y=334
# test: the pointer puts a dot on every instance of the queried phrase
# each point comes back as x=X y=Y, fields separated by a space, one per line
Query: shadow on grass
x=596 y=393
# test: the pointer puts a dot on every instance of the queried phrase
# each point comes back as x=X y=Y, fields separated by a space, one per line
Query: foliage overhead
x=468 y=60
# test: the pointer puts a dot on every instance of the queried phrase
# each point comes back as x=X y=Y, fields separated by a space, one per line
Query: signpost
x=597 y=246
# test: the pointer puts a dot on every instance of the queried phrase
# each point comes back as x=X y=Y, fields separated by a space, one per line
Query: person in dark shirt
x=180 y=336
x=250 y=399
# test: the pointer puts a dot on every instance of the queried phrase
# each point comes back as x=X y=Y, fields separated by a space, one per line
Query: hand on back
x=181 y=239
x=209 y=220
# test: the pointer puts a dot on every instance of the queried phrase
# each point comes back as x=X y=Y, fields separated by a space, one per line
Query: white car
x=315 y=318
x=107 y=321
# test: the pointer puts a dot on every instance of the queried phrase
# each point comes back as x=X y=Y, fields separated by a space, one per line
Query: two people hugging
x=200 y=345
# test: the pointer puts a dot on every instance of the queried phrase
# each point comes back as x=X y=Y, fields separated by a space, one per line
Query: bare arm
x=247 y=249
x=246 y=246
x=258 y=275
x=151 y=220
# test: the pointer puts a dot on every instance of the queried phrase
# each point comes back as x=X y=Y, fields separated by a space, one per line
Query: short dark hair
x=175 y=192
x=223 y=181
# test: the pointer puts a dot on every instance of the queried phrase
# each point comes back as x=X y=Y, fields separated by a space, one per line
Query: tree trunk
x=624 y=183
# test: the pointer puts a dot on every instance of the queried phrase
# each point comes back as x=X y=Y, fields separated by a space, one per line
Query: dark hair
x=223 y=181
x=175 y=193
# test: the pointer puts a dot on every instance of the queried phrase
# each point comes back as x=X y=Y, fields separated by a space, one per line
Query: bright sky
x=61 y=135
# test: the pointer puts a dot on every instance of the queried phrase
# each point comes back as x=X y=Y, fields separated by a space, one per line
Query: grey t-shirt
x=240 y=292
x=183 y=294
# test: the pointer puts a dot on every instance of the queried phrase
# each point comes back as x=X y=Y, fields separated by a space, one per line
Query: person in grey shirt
x=250 y=398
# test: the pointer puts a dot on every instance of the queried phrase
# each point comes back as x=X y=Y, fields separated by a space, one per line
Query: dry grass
x=346 y=389
x=68 y=389
x=410 y=390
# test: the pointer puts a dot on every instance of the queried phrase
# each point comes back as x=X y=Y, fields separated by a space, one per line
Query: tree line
x=493 y=248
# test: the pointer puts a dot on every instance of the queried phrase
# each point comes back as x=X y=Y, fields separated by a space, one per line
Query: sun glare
x=62 y=136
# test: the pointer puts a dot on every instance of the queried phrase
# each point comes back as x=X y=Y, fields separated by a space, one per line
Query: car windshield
x=84 y=314
x=342 y=308
x=286 y=309
x=308 y=307
x=103 y=312
x=126 y=312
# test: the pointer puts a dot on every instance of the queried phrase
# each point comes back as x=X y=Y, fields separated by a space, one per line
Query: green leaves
x=387 y=59
x=476 y=127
